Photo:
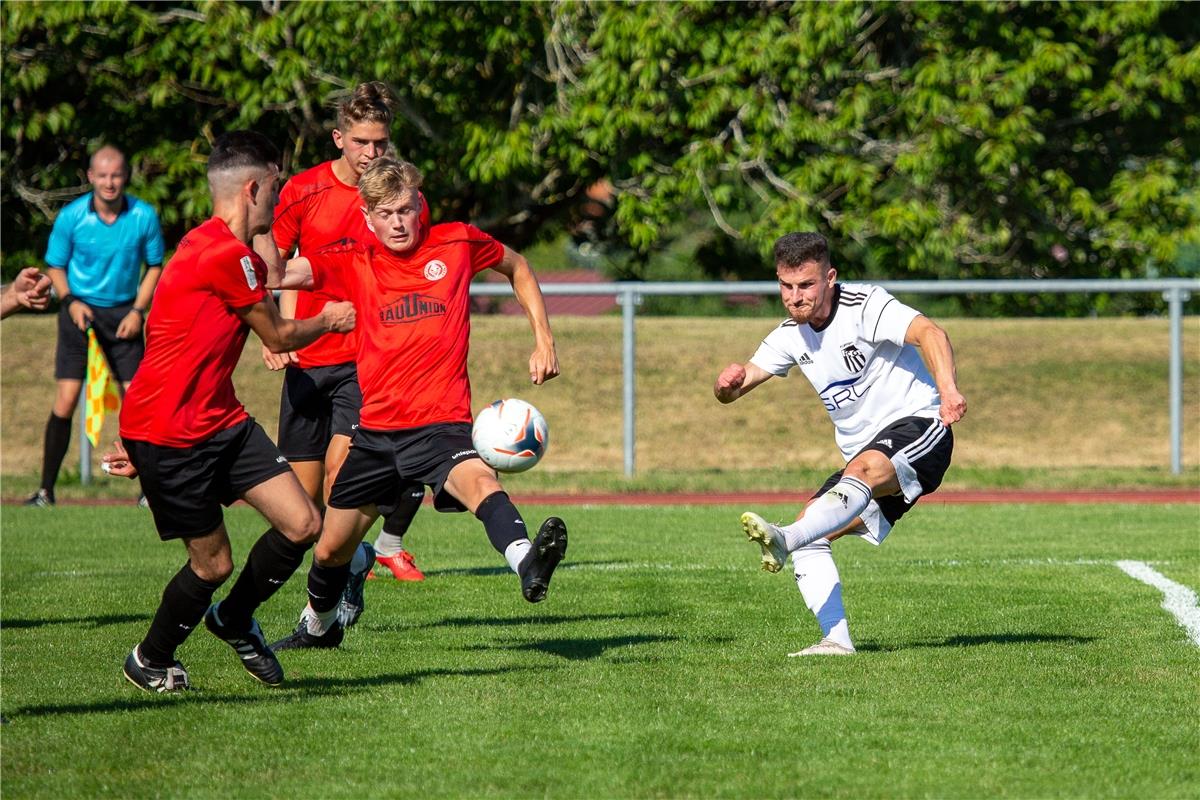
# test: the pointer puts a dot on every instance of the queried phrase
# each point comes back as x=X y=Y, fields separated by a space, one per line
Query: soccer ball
x=510 y=435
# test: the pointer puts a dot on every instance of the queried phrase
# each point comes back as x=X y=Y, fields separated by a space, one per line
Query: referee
x=95 y=255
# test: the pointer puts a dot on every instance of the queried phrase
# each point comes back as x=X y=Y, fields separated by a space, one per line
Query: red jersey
x=414 y=317
x=182 y=393
x=317 y=210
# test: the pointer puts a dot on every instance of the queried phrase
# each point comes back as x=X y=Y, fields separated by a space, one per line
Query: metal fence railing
x=1175 y=291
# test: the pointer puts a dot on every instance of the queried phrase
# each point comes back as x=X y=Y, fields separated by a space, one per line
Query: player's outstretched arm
x=543 y=364
x=737 y=379
x=939 y=357
x=296 y=274
x=281 y=335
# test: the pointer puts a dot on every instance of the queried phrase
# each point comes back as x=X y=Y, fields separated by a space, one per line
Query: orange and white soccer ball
x=510 y=435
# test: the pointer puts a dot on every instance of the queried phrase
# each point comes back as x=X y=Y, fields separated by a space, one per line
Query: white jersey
x=866 y=375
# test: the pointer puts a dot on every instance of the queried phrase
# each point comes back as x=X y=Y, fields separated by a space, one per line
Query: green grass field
x=1001 y=654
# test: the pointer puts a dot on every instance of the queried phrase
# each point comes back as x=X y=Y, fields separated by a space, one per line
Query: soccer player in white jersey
x=856 y=344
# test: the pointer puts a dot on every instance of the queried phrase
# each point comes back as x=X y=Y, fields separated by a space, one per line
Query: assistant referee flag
x=101 y=390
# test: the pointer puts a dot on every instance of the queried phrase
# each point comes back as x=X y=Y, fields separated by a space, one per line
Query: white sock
x=514 y=554
x=831 y=512
x=319 y=623
x=359 y=562
x=821 y=587
x=388 y=544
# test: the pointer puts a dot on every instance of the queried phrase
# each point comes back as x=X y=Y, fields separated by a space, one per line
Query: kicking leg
x=869 y=474
x=474 y=484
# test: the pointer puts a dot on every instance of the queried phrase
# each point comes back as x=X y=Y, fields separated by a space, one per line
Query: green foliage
x=994 y=139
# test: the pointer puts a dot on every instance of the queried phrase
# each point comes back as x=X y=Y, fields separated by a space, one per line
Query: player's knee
x=310 y=527
x=215 y=570
x=328 y=555
x=303 y=528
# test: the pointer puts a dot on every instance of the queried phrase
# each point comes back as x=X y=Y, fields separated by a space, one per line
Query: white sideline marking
x=1178 y=599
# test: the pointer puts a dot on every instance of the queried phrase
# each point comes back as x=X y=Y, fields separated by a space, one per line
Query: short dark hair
x=241 y=149
x=795 y=249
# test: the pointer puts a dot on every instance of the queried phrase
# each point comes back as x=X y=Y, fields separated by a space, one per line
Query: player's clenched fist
x=340 y=316
x=729 y=383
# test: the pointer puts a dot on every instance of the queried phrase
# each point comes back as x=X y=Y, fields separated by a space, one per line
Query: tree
x=927 y=139
x=162 y=82
x=995 y=139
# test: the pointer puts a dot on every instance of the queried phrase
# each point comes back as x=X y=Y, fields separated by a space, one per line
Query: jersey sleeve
x=886 y=319
x=58 y=249
x=772 y=355
x=486 y=252
x=240 y=280
x=152 y=240
x=288 y=212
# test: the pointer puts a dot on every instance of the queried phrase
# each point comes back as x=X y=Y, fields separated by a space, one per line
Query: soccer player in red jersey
x=411 y=289
x=320 y=401
x=190 y=441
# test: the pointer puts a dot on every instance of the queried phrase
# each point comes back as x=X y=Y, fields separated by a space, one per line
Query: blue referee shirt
x=104 y=262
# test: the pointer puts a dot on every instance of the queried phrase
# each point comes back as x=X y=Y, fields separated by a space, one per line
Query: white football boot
x=825 y=647
x=769 y=537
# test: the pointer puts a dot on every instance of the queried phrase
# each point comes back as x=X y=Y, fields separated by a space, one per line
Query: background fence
x=594 y=398
x=1174 y=290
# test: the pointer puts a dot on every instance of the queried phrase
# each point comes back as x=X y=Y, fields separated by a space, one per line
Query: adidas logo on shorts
x=885 y=442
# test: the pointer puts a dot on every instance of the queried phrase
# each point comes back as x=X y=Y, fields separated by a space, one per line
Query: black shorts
x=123 y=355
x=316 y=404
x=186 y=486
x=382 y=464
x=920 y=450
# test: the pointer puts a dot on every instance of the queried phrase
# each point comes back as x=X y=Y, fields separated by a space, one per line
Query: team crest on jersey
x=853 y=357
x=248 y=268
x=435 y=270
x=411 y=308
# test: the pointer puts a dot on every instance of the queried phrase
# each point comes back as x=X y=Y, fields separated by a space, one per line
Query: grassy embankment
x=1052 y=404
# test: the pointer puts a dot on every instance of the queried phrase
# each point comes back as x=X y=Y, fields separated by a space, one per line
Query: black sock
x=411 y=497
x=326 y=584
x=271 y=562
x=184 y=602
x=54 y=449
x=501 y=520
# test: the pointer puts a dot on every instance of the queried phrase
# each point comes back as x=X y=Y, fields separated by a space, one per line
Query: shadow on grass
x=498 y=570
x=975 y=641
x=531 y=619
x=92 y=622
x=290 y=692
x=583 y=649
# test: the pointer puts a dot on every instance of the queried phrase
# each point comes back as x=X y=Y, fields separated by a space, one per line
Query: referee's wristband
x=141 y=312
x=69 y=298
